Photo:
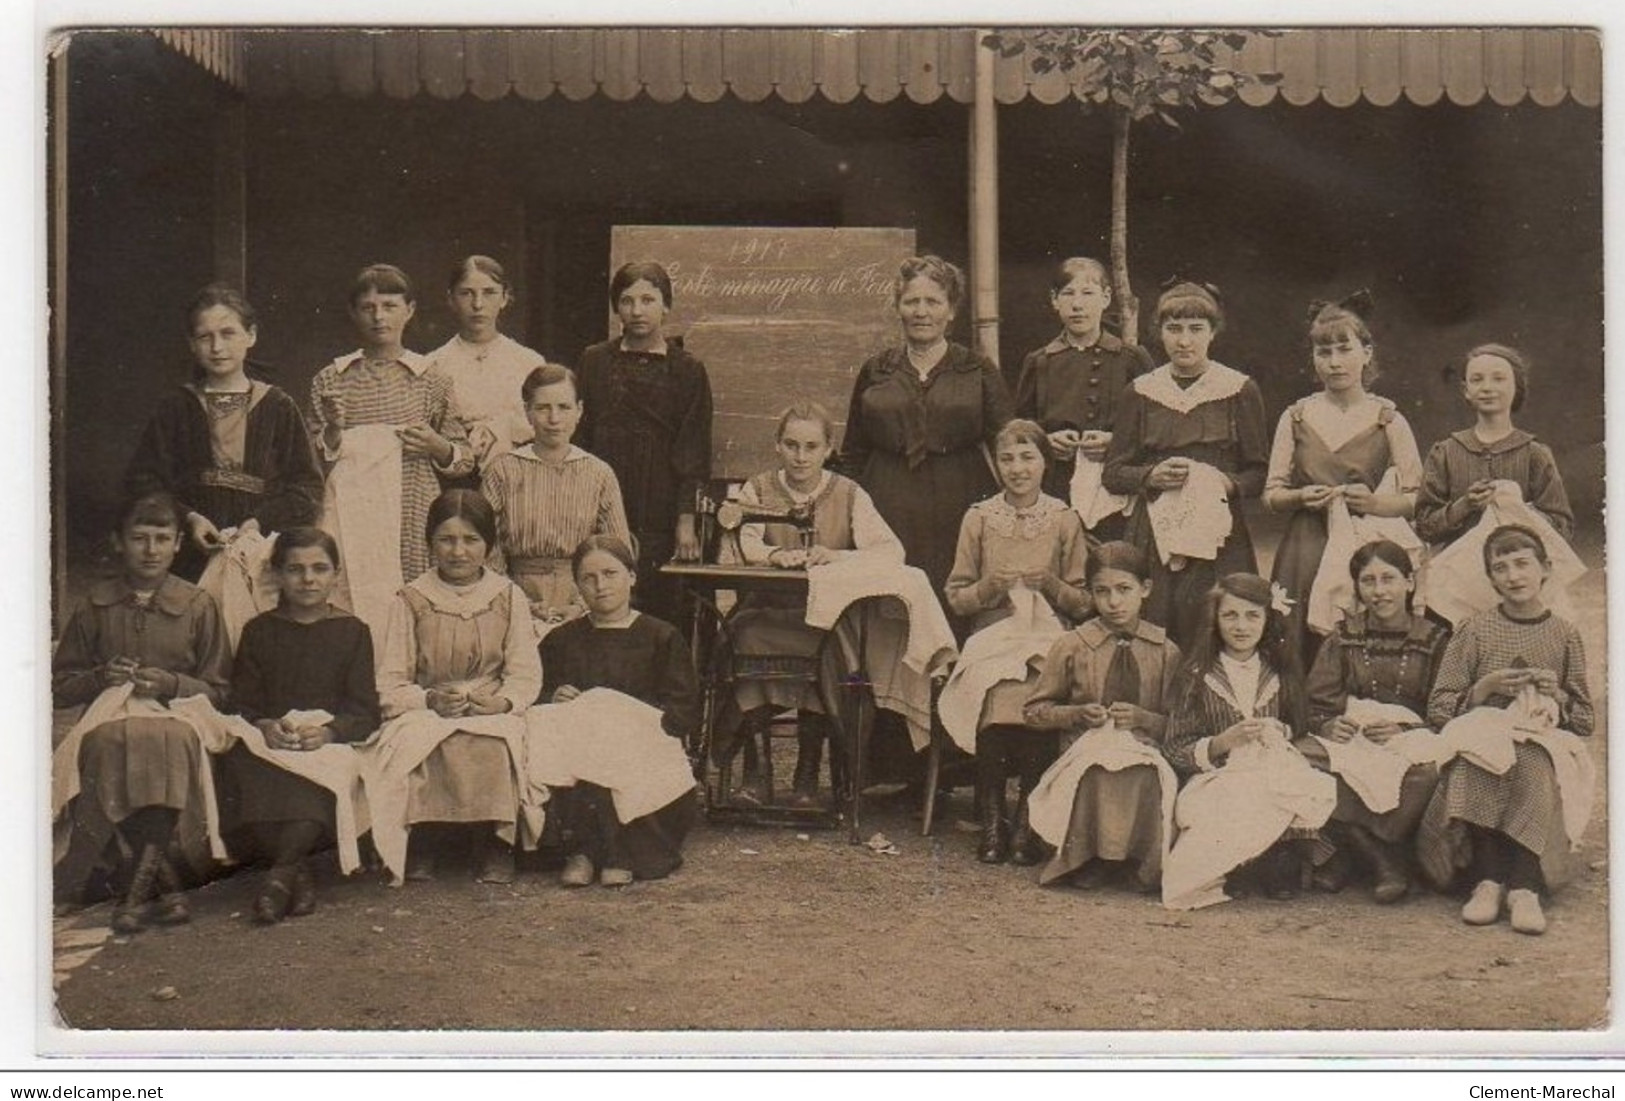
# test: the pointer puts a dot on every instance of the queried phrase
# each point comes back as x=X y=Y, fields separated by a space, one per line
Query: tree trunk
x=1127 y=304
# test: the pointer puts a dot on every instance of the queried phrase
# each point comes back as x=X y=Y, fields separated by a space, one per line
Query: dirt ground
x=768 y=929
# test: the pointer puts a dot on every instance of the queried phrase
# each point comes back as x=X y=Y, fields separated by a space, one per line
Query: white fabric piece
x=607 y=738
x=1194 y=520
x=390 y=755
x=1486 y=736
x=1243 y=678
x=1459 y=586
x=1002 y=651
x=1091 y=500
x=907 y=638
x=1332 y=596
x=240 y=579
x=1375 y=772
x=1215 y=384
x=361 y=510
x=121 y=702
x=1229 y=816
x=334 y=767
x=1049 y=806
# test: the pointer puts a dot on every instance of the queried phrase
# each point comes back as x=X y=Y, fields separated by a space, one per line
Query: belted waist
x=538 y=565
x=231 y=479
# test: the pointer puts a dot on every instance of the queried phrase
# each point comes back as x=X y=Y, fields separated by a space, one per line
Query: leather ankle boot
x=131 y=912
x=172 y=908
x=809 y=753
x=995 y=845
x=1391 y=879
x=1026 y=847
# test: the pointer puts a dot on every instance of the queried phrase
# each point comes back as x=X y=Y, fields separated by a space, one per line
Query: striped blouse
x=545 y=509
x=406 y=392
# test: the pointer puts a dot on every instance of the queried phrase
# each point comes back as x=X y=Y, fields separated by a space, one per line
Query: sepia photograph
x=1001 y=534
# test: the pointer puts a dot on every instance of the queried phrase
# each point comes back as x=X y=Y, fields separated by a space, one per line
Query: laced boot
x=1026 y=847
x=995 y=844
x=1392 y=880
x=131 y=912
x=172 y=908
x=809 y=754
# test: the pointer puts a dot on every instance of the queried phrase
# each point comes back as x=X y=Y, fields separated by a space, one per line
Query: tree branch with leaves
x=1135 y=75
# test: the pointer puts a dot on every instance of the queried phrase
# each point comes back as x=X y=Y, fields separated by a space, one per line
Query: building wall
x=1469 y=224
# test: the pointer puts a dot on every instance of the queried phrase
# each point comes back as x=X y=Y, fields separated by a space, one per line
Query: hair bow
x=1361 y=304
x=1279 y=600
x=1179 y=280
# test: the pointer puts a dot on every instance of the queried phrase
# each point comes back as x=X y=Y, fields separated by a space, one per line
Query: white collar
x=1214 y=384
x=798 y=495
x=412 y=361
x=571 y=455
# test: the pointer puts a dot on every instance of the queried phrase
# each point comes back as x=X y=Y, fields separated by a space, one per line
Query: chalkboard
x=775 y=314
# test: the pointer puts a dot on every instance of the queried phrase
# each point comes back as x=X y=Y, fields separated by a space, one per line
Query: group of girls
x=1089 y=531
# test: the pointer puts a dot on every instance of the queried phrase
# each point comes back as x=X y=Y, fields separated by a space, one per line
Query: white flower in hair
x=1279 y=600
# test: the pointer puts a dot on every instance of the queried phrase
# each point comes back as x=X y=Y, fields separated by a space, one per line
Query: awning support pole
x=984 y=207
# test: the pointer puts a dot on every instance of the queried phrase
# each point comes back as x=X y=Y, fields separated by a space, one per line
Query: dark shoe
x=275 y=899
x=1333 y=875
x=1283 y=872
x=172 y=908
x=1026 y=847
x=496 y=862
x=130 y=915
x=420 y=861
x=995 y=845
x=809 y=754
x=1391 y=879
x=303 y=902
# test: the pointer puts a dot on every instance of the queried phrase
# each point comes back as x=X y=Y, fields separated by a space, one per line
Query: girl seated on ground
x=459 y=646
x=130 y=783
x=1109 y=679
x=844 y=521
x=1385 y=653
x=617 y=647
x=1522 y=669
x=303 y=656
x=1251 y=799
x=1020 y=554
x=549 y=495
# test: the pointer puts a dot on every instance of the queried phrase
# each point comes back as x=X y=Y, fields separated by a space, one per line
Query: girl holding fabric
x=1343 y=445
x=1514 y=674
x=550 y=495
x=1071 y=385
x=1251 y=800
x=305 y=656
x=131 y=780
x=1189 y=444
x=1384 y=654
x=459 y=648
x=486 y=367
x=1107 y=686
x=1459 y=474
x=1019 y=565
x=614 y=646
x=384 y=418
x=233 y=449
x=648 y=415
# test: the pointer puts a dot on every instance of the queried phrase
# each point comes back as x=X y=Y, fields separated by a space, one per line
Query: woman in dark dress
x=230 y=448
x=648 y=415
x=1191 y=410
x=615 y=646
x=921 y=419
x=303 y=655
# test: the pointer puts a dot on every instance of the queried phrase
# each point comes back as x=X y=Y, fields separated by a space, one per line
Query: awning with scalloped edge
x=1342 y=66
